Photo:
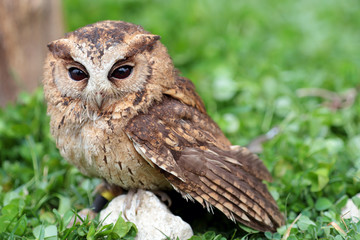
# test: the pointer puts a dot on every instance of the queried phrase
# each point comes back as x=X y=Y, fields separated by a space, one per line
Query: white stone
x=152 y=218
x=351 y=211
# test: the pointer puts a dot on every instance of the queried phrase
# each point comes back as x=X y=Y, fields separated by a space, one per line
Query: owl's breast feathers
x=177 y=136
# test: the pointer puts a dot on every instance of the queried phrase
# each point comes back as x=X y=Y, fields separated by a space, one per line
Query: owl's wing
x=200 y=163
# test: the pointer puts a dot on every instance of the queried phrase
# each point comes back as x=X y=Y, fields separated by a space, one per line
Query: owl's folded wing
x=200 y=163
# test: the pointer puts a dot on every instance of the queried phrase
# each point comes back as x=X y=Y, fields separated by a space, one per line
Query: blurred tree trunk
x=26 y=26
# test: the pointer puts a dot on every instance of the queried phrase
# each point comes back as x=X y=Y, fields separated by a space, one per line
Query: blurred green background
x=249 y=61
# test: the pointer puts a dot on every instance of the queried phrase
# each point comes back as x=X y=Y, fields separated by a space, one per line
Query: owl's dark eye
x=121 y=72
x=77 y=74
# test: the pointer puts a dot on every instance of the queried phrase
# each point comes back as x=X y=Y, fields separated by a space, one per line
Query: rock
x=151 y=216
x=351 y=211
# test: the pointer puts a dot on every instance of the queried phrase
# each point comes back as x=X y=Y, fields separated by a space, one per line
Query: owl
x=120 y=111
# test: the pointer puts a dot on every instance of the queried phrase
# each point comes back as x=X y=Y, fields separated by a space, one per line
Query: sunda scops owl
x=120 y=111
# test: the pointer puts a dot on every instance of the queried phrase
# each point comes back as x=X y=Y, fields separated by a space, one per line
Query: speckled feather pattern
x=149 y=130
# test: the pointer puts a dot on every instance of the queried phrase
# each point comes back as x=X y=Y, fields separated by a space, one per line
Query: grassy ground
x=253 y=63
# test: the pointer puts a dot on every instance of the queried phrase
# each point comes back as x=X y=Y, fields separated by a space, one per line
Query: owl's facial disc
x=106 y=83
x=105 y=63
x=99 y=84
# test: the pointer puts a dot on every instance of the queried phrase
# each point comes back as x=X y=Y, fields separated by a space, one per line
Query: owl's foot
x=131 y=193
x=128 y=201
x=134 y=196
x=164 y=197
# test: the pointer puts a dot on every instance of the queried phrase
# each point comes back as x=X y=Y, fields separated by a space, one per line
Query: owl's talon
x=164 y=197
x=128 y=201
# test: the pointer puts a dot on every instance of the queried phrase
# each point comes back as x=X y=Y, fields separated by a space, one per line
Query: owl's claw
x=128 y=201
x=136 y=195
x=164 y=197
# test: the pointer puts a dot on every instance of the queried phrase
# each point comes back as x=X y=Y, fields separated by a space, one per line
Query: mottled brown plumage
x=146 y=127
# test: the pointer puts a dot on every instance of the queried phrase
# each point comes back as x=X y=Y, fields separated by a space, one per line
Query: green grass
x=248 y=60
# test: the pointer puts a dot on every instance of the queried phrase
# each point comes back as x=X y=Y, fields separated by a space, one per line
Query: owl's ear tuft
x=141 y=42
x=60 y=49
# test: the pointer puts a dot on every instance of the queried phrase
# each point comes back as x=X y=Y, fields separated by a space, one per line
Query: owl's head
x=106 y=62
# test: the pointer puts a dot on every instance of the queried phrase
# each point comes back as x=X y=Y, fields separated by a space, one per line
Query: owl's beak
x=99 y=99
